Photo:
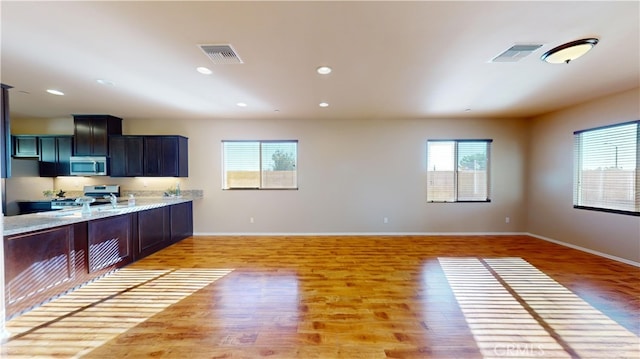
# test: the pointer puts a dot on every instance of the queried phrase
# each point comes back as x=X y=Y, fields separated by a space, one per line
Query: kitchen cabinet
x=161 y=227
x=166 y=156
x=110 y=243
x=24 y=146
x=26 y=207
x=150 y=156
x=41 y=265
x=55 y=152
x=181 y=221
x=91 y=133
x=153 y=231
x=126 y=156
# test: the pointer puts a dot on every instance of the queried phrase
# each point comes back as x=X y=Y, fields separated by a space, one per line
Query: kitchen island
x=49 y=253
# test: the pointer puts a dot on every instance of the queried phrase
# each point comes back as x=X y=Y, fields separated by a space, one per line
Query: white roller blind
x=606 y=168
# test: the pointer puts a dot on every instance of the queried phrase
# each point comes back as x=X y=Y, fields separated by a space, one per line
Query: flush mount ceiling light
x=241 y=104
x=323 y=104
x=324 y=70
x=55 y=92
x=569 y=51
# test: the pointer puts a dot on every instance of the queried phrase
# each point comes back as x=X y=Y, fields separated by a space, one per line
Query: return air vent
x=516 y=53
x=221 y=54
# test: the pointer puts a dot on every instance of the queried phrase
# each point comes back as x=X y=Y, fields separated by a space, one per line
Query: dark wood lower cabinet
x=41 y=265
x=153 y=231
x=181 y=221
x=161 y=227
x=110 y=241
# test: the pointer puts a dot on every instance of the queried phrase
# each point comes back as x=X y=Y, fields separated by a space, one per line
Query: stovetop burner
x=63 y=199
x=98 y=192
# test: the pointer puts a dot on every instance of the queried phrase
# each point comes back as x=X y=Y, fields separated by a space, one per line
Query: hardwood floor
x=346 y=297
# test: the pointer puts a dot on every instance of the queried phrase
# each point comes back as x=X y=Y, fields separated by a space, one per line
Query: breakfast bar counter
x=49 y=253
x=43 y=220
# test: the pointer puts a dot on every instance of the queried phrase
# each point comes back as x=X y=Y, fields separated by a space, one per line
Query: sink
x=110 y=209
x=62 y=214
x=77 y=213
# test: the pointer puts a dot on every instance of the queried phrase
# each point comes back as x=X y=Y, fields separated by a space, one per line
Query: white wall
x=550 y=185
x=352 y=174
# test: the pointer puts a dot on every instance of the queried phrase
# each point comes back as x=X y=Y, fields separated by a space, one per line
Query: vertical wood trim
x=5 y=133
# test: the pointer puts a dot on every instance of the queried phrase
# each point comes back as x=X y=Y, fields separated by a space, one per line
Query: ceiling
x=389 y=59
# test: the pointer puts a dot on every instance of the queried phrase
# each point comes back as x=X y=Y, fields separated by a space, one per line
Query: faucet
x=113 y=199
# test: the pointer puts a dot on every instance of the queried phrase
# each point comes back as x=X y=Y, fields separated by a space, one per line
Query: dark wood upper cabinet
x=166 y=156
x=91 y=133
x=25 y=146
x=126 y=156
x=148 y=156
x=55 y=153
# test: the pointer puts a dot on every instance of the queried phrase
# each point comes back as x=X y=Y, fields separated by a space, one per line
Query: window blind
x=606 y=168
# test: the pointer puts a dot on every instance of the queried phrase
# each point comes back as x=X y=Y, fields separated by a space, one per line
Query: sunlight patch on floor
x=88 y=317
x=515 y=310
x=586 y=330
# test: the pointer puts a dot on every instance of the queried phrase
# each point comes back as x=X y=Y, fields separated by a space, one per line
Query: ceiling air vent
x=221 y=54
x=516 y=53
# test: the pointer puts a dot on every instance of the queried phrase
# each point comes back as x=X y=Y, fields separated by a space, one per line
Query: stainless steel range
x=101 y=194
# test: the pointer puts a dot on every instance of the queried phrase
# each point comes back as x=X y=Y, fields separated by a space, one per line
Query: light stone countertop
x=44 y=220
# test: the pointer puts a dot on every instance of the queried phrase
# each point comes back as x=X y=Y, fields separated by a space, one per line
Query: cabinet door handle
x=95 y=167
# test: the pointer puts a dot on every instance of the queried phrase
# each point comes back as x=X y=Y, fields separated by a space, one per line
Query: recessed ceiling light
x=105 y=82
x=241 y=104
x=203 y=70
x=55 y=92
x=323 y=104
x=324 y=70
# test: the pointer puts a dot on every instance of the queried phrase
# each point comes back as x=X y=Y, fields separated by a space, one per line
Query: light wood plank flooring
x=346 y=297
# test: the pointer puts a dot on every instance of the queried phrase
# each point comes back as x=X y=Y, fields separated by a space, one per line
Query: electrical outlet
x=507 y=219
x=250 y=219
x=385 y=220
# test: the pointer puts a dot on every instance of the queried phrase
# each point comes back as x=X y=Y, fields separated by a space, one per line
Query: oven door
x=88 y=166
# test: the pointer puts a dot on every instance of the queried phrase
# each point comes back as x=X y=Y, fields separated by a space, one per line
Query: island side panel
x=38 y=266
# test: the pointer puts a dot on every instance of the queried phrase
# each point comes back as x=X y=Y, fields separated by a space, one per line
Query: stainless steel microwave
x=88 y=166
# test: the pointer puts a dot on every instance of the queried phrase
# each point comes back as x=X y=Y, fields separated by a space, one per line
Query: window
x=458 y=170
x=259 y=164
x=606 y=169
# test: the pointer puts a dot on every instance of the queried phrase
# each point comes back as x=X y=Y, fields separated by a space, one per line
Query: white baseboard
x=583 y=249
x=328 y=234
x=391 y=234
